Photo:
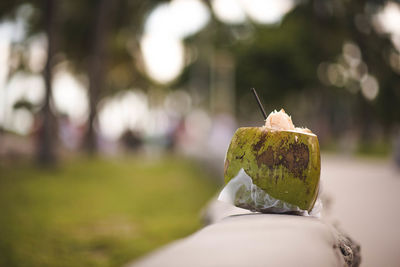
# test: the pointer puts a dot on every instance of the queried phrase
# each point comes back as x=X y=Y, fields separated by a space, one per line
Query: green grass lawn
x=97 y=212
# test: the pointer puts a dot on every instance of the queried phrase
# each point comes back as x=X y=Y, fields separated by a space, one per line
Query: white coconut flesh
x=280 y=121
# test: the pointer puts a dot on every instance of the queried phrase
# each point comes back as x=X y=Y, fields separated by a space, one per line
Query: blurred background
x=115 y=116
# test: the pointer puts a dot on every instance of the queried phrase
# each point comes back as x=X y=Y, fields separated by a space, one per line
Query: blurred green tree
x=289 y=63
x=99 y=39
x=44 y=18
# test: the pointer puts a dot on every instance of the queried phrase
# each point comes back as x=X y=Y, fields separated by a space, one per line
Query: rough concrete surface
x=363 y=200
x=254 y=240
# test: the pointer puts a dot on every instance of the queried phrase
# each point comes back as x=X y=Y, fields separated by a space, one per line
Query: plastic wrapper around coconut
x=243 y=193
x=285 y=164
x=274 y=168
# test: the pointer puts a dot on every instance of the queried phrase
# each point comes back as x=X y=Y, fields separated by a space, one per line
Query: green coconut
x=285 y=164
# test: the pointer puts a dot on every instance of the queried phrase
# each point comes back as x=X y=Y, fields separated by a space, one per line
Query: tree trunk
x=98 y=66
x=45 y=150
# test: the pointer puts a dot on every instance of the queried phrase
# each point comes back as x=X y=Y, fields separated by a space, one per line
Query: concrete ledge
x=254 y=239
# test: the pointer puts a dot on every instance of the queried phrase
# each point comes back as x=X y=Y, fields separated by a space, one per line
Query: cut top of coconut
x=281 y=121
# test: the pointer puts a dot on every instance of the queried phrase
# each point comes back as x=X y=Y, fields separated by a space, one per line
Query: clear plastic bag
x=241 y=192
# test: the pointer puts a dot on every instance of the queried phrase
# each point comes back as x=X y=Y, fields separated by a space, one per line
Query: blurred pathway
x=365 y=198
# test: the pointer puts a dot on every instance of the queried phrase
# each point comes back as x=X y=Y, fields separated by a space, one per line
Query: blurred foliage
x=97 y=212
x=24 y=104
x=377 y=149
x=127 y=25
x=75 y=32
x=281 y=61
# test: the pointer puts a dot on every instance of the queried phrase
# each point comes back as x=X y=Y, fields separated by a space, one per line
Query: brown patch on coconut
x=295 y=159
x=257 y=146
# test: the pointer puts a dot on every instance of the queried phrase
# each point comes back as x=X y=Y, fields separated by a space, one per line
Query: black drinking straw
x=259 y=103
